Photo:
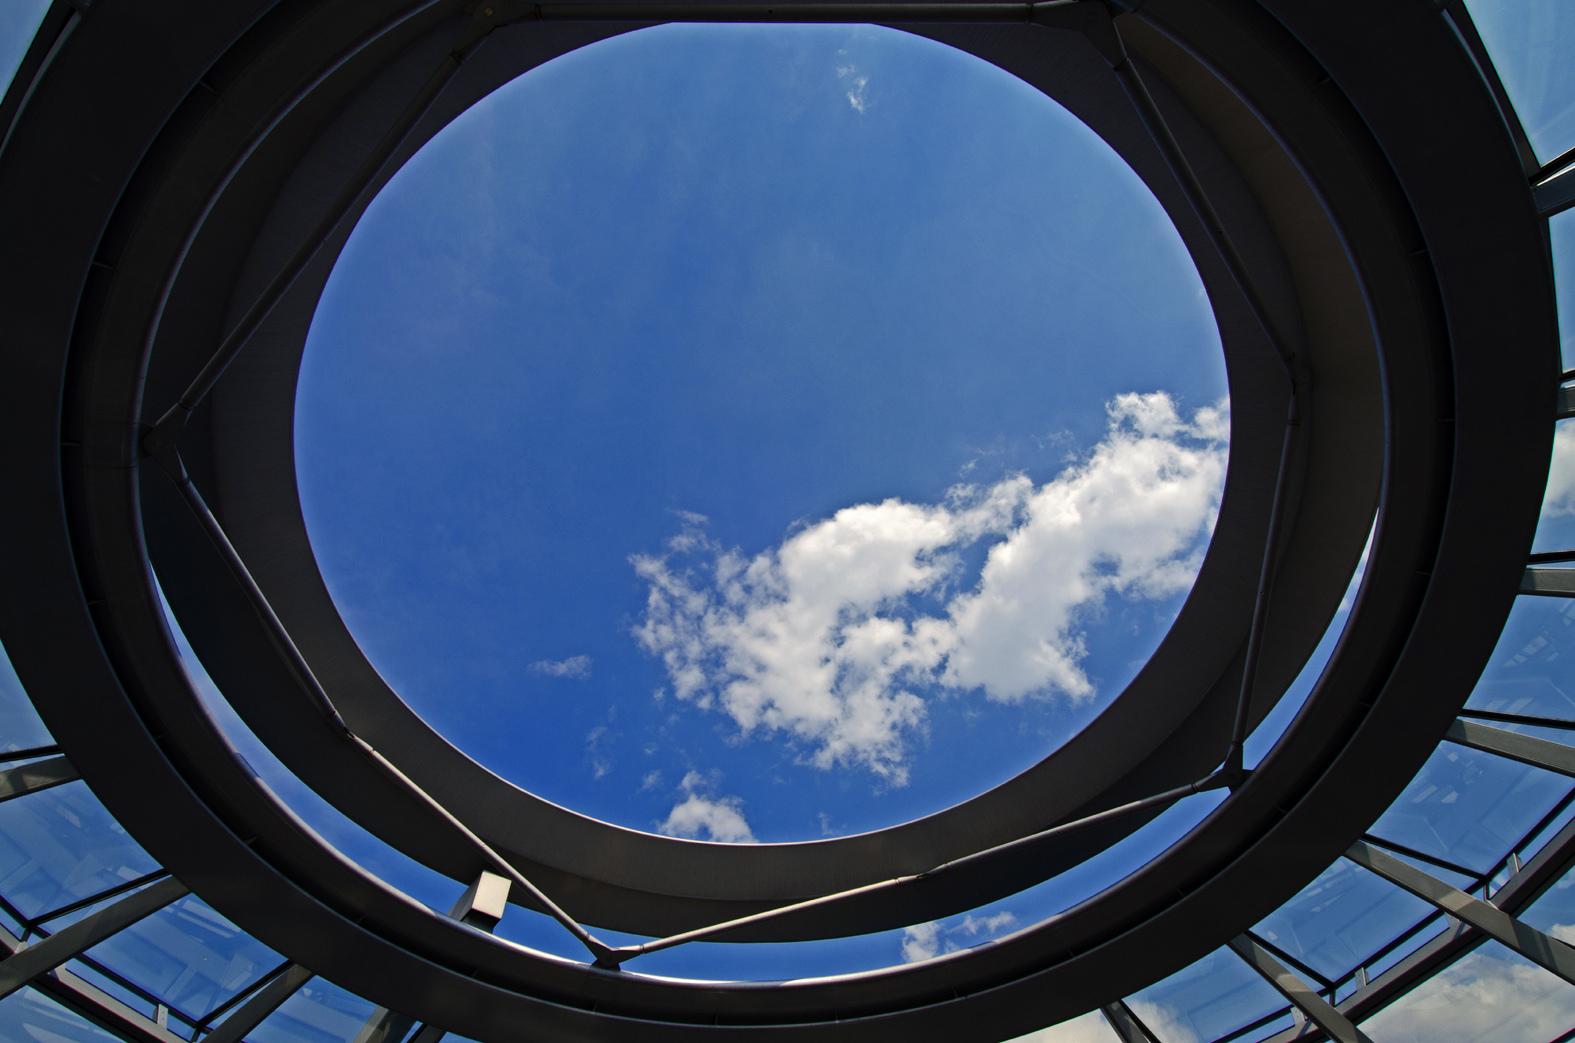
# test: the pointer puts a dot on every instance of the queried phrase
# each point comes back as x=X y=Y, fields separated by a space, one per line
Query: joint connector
x=1089 y=17
x=162 y=442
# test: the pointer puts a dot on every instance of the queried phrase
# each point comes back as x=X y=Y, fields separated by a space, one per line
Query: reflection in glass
x=1530 y=42
x=1216 y=995
x=319 y=1013
x=1561 y=234
x=28 y=1016
x=20 y=728
x=1090 y=1028
x=1342 y=918
x=1469 y=807
x=59 y=846
x=1532 y=671
x=1490 y=994
x=188 y=955
x=18 y=25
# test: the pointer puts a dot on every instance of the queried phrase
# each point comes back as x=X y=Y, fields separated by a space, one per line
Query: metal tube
x=1169 y=796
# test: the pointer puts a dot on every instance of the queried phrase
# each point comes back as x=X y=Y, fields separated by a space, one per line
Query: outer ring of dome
x=1468 y=345
x=1166 y=730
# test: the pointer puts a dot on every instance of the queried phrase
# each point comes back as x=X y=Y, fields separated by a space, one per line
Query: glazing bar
x=30 y=778
x=1304 y=997
x=268 y=999
x=1126 y=1023
x=36 y=960
x=1527 y=749
x=1528 y=941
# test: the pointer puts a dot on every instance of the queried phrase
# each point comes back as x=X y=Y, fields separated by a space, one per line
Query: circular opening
x=761 y=433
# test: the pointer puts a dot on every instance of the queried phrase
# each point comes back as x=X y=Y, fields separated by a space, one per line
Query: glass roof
x=1469 y=817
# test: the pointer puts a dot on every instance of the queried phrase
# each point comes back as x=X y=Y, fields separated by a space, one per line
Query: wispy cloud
x=576 y=667
x=927 y=940
x=1483 y=996
x=720 y=818
x=857 y=86
x=826 y=638
x=1089 y=1028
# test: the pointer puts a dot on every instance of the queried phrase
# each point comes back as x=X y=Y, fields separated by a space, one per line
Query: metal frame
x=1353 y=745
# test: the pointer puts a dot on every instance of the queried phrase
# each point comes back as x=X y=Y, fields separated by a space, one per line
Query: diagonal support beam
x=1492 y=921
x=30 y=778
x=1303 y=996
x=1527 y=749
x=481 y=906
x=250 y=1014
x=1126 y=1023
x=37 y=960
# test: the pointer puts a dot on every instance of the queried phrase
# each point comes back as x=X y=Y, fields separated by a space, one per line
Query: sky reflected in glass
x=60 y=845
x=1489 y=996
x=1468 y=807
x=761 y=434
x=1530 y=42
x=29 y=1016
x=19 y=21
x=1341 y=919
x=1216 y=995
x=1532 y=670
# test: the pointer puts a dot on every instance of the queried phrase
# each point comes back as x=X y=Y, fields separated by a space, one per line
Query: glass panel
x=130 y=997
x=1342 y=918
x=20 y=728
x=319 y=1013
x=188 y=955
x=1532 y=671
x=60 y=846
x=1554 y=912
x=1556 y=527
x=1531 y=42
x=1216 y=995
x=1490 y=994
x=1469 y=807
x=1090 y=1028
x=29 y=1016
x=18 y=25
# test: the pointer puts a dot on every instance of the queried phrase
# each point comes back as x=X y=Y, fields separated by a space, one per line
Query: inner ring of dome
x=761 y=433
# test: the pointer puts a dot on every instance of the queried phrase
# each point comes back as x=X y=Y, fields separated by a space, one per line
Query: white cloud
x=1483 y=996
x=1560 y=496
x=1564 y=932
x=989 y=926
x=1163 y=1022
x=824 y=638
x=926 y=940
x=1090 y=1028
x=921 y=942
x=857 y=92
x=721 y=819
x=577 y=667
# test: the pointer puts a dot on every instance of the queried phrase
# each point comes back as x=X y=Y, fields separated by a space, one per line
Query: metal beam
x=1125 y=1023
x=1306 y=999
x=1489 y=919
x=481 y=906
x=30 y=778
x=1527 y=749
x=24 y=966
x=1552 y=583
x=234 y=1028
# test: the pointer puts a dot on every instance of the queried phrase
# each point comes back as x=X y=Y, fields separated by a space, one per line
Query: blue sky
x=669 y=304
